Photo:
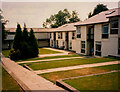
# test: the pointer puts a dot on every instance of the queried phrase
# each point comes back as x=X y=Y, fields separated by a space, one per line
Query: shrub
x=15 y=55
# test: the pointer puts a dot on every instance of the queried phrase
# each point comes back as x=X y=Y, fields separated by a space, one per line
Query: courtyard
x=69 y=69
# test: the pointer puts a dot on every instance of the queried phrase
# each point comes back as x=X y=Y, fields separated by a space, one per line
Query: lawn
x=6 y=53
x=47 y=51
x=8 y=83
x=97 y=82
x=65 y=63
x=52 y=57
x=41 y=51
x=78 y=72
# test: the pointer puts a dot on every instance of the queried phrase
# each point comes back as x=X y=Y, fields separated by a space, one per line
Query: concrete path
x=57 y=54
x=75 y=67
x=28 y=80
x=113 y=71
x=48 y=60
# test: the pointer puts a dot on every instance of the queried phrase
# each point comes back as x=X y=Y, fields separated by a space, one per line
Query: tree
x=99 y=8
x=2 y=27
x=61 y=18
x=18 y=38
x=25 y=34
x=74 y=17
x=33 y=44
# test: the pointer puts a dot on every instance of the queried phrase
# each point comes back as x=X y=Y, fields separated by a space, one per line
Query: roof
x=66 y=27
x=34 y=29
x=101 y=17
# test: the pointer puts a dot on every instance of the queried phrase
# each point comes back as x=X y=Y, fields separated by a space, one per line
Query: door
x=67 y=40
x=55 y=39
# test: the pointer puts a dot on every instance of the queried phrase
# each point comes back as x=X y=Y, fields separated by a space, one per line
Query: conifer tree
x=18 y=38
x=25 y=51
x=33 y=44
x=25 y=34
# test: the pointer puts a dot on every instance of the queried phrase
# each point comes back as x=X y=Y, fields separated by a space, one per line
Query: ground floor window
x=51 y=42
x=82 y=46
x=63 y=44
x=98 y=48
x=70 y=45
x=119 y=46
x=57 y=44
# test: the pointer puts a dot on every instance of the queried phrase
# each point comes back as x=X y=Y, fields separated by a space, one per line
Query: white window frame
x=97 y=43
x=82 y=48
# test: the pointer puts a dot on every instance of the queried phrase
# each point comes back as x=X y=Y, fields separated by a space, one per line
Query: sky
x=35 y=13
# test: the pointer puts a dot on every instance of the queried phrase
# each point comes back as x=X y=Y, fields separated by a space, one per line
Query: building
x=99 y=34
x=64 y=37
x=42 y=35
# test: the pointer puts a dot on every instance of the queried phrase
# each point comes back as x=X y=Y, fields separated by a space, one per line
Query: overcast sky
x=35 y=13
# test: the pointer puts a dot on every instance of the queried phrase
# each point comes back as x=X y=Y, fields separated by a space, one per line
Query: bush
x=15 y=55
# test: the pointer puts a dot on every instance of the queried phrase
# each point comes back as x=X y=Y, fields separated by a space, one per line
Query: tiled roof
x=101 y=17
x=66 y=27
x=34 y=29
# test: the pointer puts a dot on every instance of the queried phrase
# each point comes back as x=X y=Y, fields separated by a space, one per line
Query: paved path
x=57 y=54
x=48 y=60
x=113 y=71
x=75 y=67
x=28 y=80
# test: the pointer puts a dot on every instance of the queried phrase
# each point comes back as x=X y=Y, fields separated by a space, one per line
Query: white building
x=99 y=34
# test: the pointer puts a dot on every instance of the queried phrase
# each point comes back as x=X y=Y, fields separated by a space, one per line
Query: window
x=61 y=35
x=78 y=32
x=119 y=46
x=82 y=46
x=114 y=27
x=58 y=35
x=57 y=43
x=50 y=35
x=63 y=44
x=73 y=35
x=70 y=45
x=98 y=48
x=105 y=29
x=51 y=42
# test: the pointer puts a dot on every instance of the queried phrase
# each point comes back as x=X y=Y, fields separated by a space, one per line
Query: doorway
x=90 y=40
x=67 y=40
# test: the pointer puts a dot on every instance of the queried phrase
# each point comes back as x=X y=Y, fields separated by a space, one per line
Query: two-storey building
x=100 y=34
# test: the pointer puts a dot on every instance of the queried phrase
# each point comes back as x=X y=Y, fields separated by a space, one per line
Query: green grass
x=97 y=82
x=52 y=57
x=65 y=63
x=8 y=83
x=78 y=72
x=6 y=53
x=47 y=51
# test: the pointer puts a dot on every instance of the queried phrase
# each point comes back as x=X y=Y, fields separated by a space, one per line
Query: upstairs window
x=79 y=32
x=114 y=27
x=50 y=35
x=105 y=29
x=73 y=35
x=58 y=35
x=61 y=35
x=82 y=46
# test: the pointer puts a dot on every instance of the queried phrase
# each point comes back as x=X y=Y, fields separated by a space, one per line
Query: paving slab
x=48 y=60
x=76 y=67
x=28 y=80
